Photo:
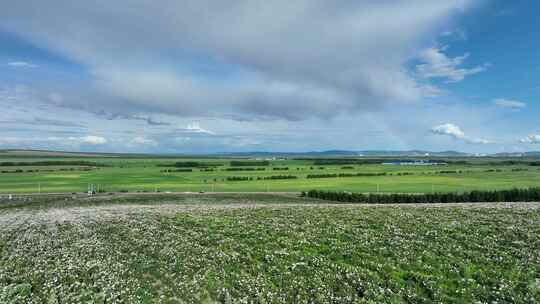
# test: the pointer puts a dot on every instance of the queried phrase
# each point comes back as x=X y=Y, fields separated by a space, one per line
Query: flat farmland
x=115 y=174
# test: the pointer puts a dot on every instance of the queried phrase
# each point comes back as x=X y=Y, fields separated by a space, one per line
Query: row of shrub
x=15 y=171
x=238 y=178
x=245 y=169
x=52 y=163
x=249 y=163
x=44 y=170
x=176 y=170
x=404 y=173
x=334 y=175
x=246 y=178
x=374 y=161
x=313 y=176
x=190 y=164
x=513 y=195
x=277 y=177
x=470 y=171
x=514 y=163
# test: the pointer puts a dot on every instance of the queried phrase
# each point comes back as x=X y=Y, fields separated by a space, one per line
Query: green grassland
x=146 y=174
x=247 y=248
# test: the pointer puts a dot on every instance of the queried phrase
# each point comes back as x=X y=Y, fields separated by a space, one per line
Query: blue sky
x=200 y=76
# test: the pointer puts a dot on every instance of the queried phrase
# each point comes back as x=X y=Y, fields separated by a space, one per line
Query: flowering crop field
x=265 y=249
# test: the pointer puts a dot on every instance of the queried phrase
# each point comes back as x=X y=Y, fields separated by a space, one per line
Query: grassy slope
x=270 y=255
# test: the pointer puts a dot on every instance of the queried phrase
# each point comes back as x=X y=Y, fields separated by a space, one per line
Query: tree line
x=249 y=163
x=376 y=161
x=512 y=195
x=238 y=178
x=176 y=170
x=334 y=175
x=52 y=163
x=245 y=169
x=277 y=177
x=514 y=163
x=190 y=164
x=45 y=170
x=246 y=178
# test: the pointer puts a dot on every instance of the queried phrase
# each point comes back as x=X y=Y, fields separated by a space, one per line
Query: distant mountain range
x=518 y=154
x=347 y=153
x=312 y=154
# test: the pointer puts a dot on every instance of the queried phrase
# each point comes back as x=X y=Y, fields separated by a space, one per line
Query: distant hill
x=37 y=153
x=348 y=153
x=518 y=154
x=49 y=153
x=415 y=153
x=264 y=154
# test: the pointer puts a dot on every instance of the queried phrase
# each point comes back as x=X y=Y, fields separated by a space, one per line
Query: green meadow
x=148 y=174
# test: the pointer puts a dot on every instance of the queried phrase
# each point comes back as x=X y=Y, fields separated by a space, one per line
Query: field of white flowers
x=208 y=249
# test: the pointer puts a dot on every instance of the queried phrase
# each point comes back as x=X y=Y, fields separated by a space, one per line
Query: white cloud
x=279 y=59
x=479 y=141
x=449 y=129
x=531 y=139
x=432 y=91
x=139 y=140
x=509 y=104
x=92 y=140
x=58 y=140
x=5 y=141
x=55 y=97
x=21 y=64
x=455 y=34
x=195 y=127
x=271 y=72
x=436 y=64
x=455 y=131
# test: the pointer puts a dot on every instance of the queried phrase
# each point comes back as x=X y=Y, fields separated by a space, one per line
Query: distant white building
x=415 y=163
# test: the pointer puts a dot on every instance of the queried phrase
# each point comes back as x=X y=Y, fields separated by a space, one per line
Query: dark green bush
x=249 y=163
x=512 y=195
